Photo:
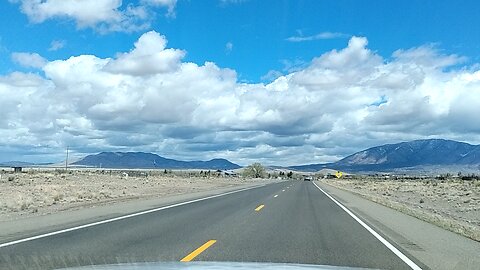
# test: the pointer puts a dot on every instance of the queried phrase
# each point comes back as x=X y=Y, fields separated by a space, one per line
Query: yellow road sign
x=338 y=174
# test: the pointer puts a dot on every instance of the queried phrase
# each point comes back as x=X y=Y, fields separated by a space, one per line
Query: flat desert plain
x=39 y=192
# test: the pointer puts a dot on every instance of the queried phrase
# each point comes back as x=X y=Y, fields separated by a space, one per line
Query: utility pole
x=66 y=161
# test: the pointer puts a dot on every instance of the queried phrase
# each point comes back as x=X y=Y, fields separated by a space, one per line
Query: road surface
x=288 y=222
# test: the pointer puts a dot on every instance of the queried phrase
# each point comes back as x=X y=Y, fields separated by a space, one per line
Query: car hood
x=210 y=266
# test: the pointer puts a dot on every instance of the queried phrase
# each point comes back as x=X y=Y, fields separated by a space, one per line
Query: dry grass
x=42 y=192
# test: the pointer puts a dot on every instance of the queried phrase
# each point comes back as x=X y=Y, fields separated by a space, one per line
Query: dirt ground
x=47 y=191
x=452 y=204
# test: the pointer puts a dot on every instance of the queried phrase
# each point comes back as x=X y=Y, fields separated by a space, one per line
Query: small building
x=17 y=169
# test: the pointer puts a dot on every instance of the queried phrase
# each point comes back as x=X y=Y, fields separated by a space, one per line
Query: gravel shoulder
x=450 y=204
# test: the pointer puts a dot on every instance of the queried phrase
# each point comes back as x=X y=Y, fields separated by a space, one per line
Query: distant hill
x=140 y=160
x=16 y=164
x=21 y=164
x=416 y=155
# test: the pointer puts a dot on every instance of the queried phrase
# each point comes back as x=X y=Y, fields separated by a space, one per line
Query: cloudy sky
x=276 y=81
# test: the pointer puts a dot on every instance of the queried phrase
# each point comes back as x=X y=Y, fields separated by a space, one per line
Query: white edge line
x=397 y=252
x=122 y=217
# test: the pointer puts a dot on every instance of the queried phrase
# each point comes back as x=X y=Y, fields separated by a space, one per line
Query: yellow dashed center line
x=259 y=207
x=197 y=251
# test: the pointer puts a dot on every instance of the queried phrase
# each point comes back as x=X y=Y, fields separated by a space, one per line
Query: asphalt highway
x=288 y=222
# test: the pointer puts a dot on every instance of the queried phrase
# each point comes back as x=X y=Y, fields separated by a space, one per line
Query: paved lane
x=283 y=222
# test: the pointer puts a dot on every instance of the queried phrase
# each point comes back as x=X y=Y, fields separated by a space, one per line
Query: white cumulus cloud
x=148 y=57
x=104 y=16
x=33 y=60
x=149 y=99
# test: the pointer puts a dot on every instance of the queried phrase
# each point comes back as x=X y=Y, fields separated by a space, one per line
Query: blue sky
x=259 y=30
x=256 y=49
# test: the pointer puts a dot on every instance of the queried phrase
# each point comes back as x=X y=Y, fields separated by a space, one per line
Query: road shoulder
x=433 y=246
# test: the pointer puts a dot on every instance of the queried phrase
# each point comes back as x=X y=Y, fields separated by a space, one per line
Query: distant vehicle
x=307 y=178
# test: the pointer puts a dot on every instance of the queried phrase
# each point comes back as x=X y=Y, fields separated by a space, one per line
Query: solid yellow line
x=197 y=251
x=259 y=207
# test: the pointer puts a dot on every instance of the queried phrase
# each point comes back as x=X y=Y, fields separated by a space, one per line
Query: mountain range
x=140 y=160
x=418 y=155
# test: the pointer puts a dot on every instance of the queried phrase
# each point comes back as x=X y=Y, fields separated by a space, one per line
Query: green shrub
x=255 y=170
